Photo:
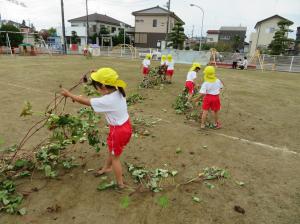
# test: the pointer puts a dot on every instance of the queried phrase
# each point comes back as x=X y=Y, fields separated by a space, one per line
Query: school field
x=259 y=145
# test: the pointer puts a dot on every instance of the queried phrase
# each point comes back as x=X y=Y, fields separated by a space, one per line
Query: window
x=225 y=37
x=140 y=38
x=154 y=23
x=94 y=28
x=74 y=25
x=270 y=30
x=139 y=20
x=113 y=29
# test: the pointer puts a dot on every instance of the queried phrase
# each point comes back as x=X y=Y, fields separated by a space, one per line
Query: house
x=98 y=21
x=151 y=26
x=264 y=33
x=212 y=36
x=232 y=34
x=27 y=32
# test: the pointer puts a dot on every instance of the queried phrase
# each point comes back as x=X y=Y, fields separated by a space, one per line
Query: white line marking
x=282 y=149
x=27 y=88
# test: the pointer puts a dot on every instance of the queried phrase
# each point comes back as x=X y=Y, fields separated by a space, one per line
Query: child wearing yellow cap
x=210 y=90
x=170 y=69
x=113 y=104
x=190 y=79
x=163 y=60
x=146 y=65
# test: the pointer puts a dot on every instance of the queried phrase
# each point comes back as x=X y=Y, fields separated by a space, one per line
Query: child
x=146 y=64
x=235 y=58
x=163 y=60
x=245 y=63
x=170 y=69
x=190 y=79
x=210 y=89
x=113 y=105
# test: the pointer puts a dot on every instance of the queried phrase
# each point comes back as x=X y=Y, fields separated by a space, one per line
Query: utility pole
x=193 y=31
x=87 y=22
x=64 y=44
x=169 y=6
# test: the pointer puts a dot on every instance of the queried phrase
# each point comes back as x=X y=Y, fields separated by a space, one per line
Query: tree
x=281 y=42
x=236 y=42
x=23 y=23
x=119 y=39
x=15 y=38
x=52 y=32
x=177 y=36
x=74 y=38
x=44 y=34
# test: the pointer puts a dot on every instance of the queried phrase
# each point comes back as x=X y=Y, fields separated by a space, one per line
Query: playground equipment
x=213 y=54
x=125 y=49
x=33 y=39
x=255 y=57
x=23 y=49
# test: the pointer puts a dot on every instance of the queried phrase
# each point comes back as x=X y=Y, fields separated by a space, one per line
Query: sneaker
x=202 y=126
x=217 y=125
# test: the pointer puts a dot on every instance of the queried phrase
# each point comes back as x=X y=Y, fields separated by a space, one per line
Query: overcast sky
x=46 y=13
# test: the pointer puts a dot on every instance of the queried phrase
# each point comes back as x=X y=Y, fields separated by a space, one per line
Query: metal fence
x=266 y=62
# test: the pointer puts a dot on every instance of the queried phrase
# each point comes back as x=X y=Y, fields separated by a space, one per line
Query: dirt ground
x=259 y=144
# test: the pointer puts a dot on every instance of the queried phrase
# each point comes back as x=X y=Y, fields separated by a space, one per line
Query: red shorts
x=170 y=72
x=190 y=86
x=211 y=102
x=145 y=70
x=119 y=137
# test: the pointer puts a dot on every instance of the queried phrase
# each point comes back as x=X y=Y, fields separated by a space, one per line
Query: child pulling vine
x=113 y=104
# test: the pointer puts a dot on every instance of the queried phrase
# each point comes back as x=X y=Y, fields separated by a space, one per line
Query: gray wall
x=230 y=36
x=152 y=39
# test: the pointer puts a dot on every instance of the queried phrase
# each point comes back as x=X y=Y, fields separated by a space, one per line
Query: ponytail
x=122 y=91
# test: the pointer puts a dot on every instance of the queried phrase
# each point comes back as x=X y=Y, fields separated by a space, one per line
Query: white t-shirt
x=211 y=88
x=245 y=63
x=146 y=63
x=170 y=65
x=113 y=106
x=191 y=76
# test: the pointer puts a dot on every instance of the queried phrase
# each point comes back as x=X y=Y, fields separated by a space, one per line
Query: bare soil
x=261 y=107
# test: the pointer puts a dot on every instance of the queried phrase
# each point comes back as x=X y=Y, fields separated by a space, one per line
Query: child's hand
x=65 y=93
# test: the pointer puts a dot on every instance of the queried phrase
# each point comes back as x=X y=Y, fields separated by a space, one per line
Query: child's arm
x=79 y=99
x=196 y=99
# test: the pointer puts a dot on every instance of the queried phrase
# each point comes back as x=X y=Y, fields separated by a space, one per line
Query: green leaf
x=178 y=150
x=209 y=185
x=24 y=174
x=20 y=163
x=196 y=199
x=240 y=183
x=125 y=202
x=105 y=185
x=22 y=211
x=163 y=201
x=174 y=173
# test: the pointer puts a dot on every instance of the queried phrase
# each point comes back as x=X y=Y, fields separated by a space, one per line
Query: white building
x=264 y=33
x=212 y=36
x=97 y=21
x=80 y=31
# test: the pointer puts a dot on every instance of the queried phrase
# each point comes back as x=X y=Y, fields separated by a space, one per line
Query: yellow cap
x=209 y=74
x=169 y=57
x=195 y=66
x=108 y=76
x=148 y=56
x=163 y=58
